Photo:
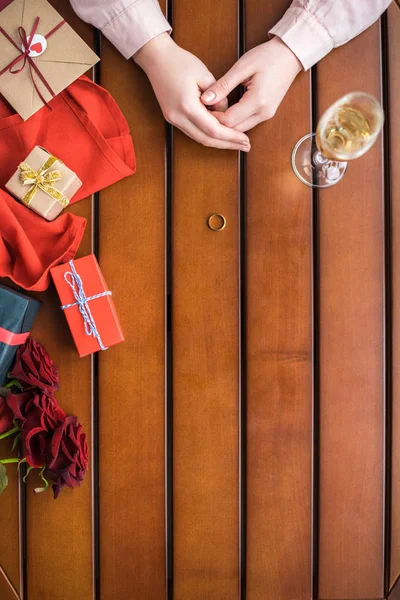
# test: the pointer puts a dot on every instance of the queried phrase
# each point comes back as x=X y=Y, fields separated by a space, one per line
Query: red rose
x=6 y=416
x=17 y=404
x=40 y=416
x=67 y=461
x=33 y=367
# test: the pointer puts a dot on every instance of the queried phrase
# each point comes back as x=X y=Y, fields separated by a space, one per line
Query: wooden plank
x=394 y=91
x=59 y=560
x=9 y=542
x=351 y=348
x=395 y=591
x=205 y=335
x=131 y=382
x=7 y=589
x=279 y=344
x=52 y=526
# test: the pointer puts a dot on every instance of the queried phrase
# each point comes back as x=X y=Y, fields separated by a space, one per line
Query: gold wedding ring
x=216 y=217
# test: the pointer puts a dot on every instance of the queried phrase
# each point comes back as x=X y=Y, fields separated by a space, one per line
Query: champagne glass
x=346 y=131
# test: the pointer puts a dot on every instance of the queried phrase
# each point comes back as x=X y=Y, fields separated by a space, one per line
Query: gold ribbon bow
x=42 y=180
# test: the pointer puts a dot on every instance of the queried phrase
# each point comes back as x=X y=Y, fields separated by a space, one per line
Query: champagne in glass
x=346 y=131
x=345 y=138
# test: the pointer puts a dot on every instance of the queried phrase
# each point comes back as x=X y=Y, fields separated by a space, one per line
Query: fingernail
x=245 y=143
x=209 y=96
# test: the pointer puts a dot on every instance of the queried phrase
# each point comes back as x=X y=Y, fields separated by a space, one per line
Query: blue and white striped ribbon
x=75 y=282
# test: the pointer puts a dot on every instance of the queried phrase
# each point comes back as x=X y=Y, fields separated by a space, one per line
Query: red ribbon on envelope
x=25 y=58
x=13 y=339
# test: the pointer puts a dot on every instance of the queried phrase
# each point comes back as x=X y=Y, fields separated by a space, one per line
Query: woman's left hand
x=267 y=73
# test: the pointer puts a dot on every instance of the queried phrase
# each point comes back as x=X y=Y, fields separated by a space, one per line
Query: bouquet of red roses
x=49 y=440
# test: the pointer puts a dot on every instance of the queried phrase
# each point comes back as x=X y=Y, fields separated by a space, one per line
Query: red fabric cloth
x=88 y=132
x=85 y=129
x=30 y=245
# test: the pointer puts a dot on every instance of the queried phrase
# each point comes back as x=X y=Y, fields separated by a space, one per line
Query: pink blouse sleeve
x=128 y=24
x=311 y=28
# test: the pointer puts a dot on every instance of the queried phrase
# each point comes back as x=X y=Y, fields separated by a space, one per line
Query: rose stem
x=10 y=432
x=6 y=461
x=11 y=383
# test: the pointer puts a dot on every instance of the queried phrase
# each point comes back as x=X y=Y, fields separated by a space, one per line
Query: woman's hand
x=267 y=73
x=178 y=79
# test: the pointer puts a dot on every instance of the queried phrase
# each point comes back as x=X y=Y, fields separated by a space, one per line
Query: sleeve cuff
x=304 y=35
x=135 y=26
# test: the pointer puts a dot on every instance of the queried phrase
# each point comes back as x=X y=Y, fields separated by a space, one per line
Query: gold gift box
x=44 y=183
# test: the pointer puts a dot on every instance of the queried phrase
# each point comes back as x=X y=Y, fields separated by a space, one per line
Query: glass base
x=312 y=168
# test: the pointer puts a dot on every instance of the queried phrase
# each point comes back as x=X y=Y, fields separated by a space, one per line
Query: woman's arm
x=307 y=32
x=128 y=24
x=139 y=30
x=311 y=28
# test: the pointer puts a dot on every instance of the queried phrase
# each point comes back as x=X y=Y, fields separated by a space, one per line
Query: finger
x=223 y=87
x=217 y=115
x=207 y=79
x=199 y=136
x=244 y=125
x=205 y=121
x=220 y=106
x=249 y=123
x=241 y=111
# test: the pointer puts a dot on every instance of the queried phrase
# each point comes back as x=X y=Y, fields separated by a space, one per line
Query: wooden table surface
x=245 y=439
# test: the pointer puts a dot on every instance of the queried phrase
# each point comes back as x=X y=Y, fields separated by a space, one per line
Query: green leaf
x=27 y=473
x=3 y=478
x=42 y=489
x=15 y=443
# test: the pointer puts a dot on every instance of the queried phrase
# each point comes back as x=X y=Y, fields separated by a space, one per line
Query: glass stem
x=331 y=169
x=320 y=160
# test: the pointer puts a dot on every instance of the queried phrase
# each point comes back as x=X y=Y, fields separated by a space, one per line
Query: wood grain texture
x=54 y=548
x=279 y=345
x=395 y=591
x=7 y=589
x=351 y=348
x=59 y=534
x=9 y=544
x=205 y=335
x=205 y=325
x=131 y=382
x=394 y=91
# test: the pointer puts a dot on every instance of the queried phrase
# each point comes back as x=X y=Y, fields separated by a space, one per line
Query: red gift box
x=88 y=305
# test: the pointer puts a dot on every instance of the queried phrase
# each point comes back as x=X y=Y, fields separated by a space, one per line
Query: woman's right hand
x=178 y=79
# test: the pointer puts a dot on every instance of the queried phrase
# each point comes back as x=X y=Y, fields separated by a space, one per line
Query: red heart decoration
x=36 y=47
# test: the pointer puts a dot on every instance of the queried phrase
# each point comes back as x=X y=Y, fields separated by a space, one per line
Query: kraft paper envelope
x=66 y=57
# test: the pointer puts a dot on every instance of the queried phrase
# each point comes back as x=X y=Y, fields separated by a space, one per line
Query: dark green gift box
x=17 y=314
